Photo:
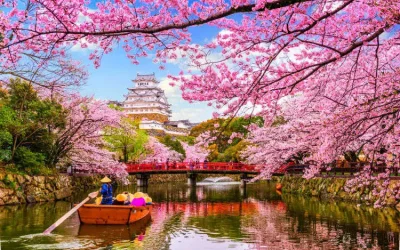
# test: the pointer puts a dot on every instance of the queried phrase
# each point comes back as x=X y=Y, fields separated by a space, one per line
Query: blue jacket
x=106 y=192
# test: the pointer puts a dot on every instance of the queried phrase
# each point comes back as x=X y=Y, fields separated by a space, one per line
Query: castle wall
x=150 y=116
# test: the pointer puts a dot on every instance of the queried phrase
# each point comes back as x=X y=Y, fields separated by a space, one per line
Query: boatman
x=106 y=191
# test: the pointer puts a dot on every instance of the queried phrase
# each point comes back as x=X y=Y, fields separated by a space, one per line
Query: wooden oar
x=62 y=219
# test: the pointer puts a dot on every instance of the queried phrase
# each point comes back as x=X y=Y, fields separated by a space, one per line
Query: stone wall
x=333 y=188
x=16 y=188
x=84 y=183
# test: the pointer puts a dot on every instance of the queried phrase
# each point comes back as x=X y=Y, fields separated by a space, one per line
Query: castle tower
x=147 y=101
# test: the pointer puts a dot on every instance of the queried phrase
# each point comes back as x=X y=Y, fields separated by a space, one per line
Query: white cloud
x=223 y=34
x=83 y=17
x=172 y=92
x=192 y=114
x=331 y=6
x=84 y=45
x=181 y=109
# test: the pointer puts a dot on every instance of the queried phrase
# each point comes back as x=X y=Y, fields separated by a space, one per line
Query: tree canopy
x=224 y=136
x=40 y=131
x=26 y=126
x=126 y=139
x=335 y=63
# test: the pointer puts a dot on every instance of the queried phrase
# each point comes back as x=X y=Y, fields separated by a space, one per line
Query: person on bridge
x=174 y=164
x=167 y=164
x=205 y=164
x=190 y=164
x=158 y=164
x=106 y=191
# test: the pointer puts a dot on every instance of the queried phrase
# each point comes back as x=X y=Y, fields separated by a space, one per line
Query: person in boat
x=128 y=198
x=120 y=199
x=138 y=202
x=106 y=191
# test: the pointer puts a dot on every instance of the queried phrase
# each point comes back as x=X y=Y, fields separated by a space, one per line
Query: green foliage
x=116 y=107
x=6 y=139
x=26 y=125
x=222 y=148
x=232 y=153
x=25 y=158
x=190 y=140
x=9 y=183
x=173 y=144
x=204 y=126
x=127 y=140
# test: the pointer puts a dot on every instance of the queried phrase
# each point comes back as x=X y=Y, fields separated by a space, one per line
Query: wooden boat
x=109 y=234
x=112 y=214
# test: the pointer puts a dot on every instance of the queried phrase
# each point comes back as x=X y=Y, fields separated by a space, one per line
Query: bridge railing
x=179 y=166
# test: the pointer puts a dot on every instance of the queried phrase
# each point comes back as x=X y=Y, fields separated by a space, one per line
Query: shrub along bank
x=334 y=188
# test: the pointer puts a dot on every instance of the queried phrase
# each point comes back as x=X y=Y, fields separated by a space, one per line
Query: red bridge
x=183 y=167
x=144 y=170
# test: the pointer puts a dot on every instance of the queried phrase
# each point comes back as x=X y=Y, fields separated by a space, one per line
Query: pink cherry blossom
x=194 y=152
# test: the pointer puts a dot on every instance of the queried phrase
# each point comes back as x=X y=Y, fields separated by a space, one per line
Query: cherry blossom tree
x=160 y=152
x=194 y=152
x=56 y=72
x=81 y=143
x=324 y=136
x=126 y=139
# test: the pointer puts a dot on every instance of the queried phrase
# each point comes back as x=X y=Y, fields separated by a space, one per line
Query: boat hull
x=112 y=214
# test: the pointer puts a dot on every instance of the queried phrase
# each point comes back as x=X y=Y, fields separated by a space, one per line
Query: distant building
x=181 y=124
x=147 y=102
x=115 y=103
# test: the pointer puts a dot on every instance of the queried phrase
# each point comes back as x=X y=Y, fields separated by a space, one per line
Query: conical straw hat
x=105 y=180
x=138 y=195
x=121 y=197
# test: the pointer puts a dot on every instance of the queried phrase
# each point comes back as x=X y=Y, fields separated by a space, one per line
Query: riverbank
x=334 y=188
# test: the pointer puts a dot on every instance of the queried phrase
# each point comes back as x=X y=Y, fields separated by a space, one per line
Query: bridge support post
x=243 y=191
x=243 y=179
x=192 y=179
x=142 y=180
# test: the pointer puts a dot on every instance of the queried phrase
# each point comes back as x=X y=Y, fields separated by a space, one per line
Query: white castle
x=147 y=102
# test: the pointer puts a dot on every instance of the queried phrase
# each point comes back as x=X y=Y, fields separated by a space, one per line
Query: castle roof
x=147 y=77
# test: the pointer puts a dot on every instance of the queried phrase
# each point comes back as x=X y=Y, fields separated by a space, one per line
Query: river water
x=210 y=217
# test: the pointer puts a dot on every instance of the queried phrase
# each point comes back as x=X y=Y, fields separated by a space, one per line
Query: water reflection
x=111 y=234
x=210 y=217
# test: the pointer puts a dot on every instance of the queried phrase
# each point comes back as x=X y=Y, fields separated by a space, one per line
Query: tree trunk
x=125 y=153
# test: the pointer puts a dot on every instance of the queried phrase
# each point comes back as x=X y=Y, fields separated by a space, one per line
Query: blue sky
x=111 y=80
